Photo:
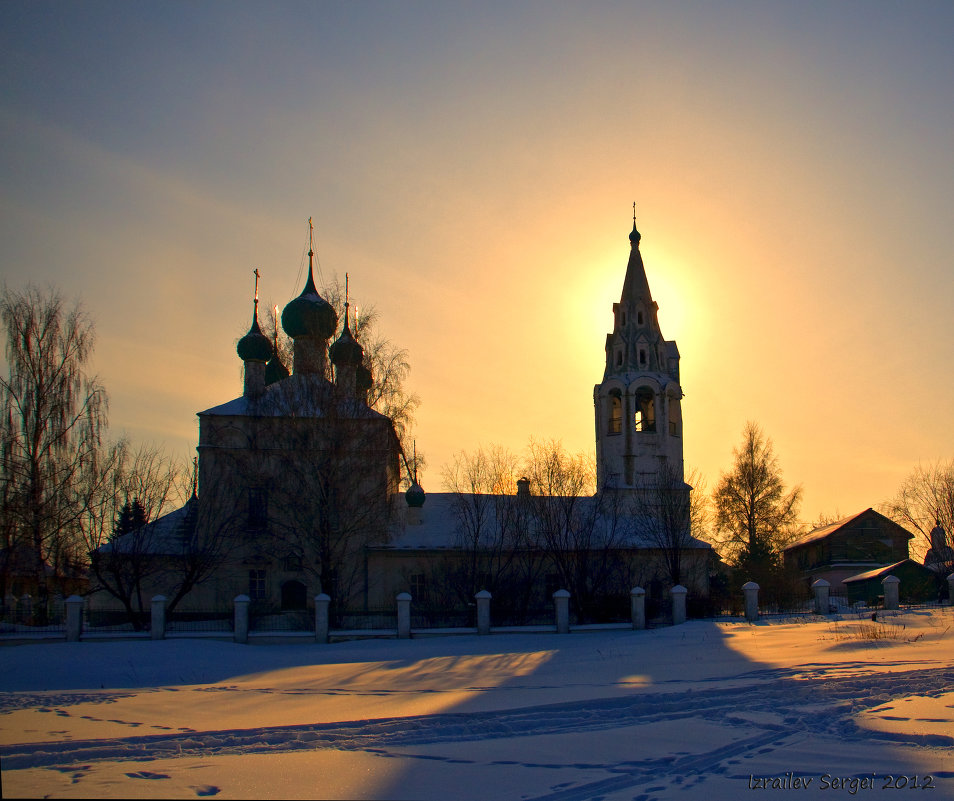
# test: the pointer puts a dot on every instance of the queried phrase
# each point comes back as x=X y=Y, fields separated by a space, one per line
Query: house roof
x=881 y=572
x=824 y=531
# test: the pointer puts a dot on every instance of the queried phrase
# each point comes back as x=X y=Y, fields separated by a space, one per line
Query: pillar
x=404 y=616
x=678 y=604
x=241 y=618
x=322 y=602
x=637 y=607
x=74 y=618
x=561 y=602
x=483 y=612
x=158 y=625
x=821 y=589
x=891 y=585
x=751 y=590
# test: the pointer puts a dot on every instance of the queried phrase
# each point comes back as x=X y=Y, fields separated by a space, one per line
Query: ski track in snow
x=773 y=709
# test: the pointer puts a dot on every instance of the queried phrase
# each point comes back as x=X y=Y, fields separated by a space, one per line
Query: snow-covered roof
x=165 y=536
x=296 y=396
x=878 y=572
x=440 y=526
x=823 y=531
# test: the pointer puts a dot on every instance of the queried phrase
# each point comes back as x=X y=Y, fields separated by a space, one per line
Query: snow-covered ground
x=705 y=710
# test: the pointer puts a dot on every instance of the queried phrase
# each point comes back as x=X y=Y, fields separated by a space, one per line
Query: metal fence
x=26 y=616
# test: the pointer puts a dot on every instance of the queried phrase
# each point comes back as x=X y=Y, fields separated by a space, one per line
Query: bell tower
x=638 y=404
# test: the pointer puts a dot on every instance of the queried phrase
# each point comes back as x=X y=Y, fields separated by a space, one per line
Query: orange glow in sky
x=473 y=170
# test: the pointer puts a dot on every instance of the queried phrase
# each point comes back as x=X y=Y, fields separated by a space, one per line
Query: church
x=299 y=490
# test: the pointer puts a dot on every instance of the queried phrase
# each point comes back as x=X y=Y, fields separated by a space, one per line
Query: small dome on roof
x=254 y=346
x=309 y=315
x=415 y=496
x=345 y=350
x=634 y=235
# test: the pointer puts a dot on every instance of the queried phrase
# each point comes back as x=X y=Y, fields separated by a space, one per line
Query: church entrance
x=294 y=595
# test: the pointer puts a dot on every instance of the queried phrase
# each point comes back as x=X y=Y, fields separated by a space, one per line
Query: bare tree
x=754 y=514
x=583 y=535
x=54 y=419
x=668 y=512
x=925 y=502
x=491 y=524
x=122 y=562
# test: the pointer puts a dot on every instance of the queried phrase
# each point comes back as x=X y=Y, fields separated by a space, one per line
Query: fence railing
x=69 y=617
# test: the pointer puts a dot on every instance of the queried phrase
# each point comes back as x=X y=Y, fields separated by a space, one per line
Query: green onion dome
x=415 y=496
x=345 y=350
x=309 y=315
x=254 y=346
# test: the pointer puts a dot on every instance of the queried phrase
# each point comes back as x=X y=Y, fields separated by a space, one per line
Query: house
x=863 y=542
x=918 y=584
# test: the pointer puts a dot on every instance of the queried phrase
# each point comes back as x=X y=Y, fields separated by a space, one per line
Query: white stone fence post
x=404 y=615
x=74 y=618
x=890 y=585
x=158 y=624
x=751 y=590
x=678 y=604
x=241 y=618
x=322 y=601
x=483 y=612
x=637 y=607
x=561 y=603
x=821 y=588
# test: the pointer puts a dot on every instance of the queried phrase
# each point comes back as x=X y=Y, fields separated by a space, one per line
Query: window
x=292 y=562
x=615 y=424
x=639 y=318
x=645 y=417
x=619 y=358
x=256 y=585
x=642 y=357
x=257 y=507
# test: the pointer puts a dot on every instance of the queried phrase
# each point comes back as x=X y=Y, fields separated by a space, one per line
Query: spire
x=254 y=346
x=310 y=320
x=635 y=285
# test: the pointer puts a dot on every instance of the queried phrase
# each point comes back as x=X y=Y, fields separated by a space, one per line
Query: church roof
x=295 y=396
x=439 y=527
x=168 y=535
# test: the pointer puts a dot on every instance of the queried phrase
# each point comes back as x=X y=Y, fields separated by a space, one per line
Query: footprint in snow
x=205 y=789
x=145 y=774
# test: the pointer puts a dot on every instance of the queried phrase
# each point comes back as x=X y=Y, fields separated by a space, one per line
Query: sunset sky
x=473 y=166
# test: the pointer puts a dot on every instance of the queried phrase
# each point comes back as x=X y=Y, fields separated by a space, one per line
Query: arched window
x=615 y=422
x=675 y=417
x=645 y=418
